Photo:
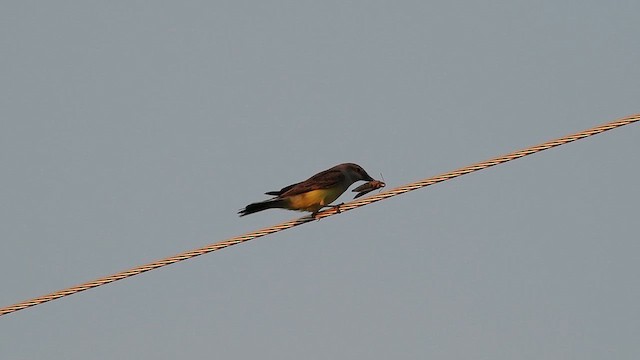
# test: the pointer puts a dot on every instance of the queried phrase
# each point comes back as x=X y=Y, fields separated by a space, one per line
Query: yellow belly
x=314 y=200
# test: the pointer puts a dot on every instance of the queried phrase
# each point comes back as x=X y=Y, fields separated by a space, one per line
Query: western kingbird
x=313 y=194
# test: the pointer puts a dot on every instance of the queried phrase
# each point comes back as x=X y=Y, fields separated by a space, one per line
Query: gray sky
x=133 y=130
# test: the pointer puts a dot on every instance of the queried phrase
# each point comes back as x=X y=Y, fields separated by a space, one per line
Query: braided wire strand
x=332 y=211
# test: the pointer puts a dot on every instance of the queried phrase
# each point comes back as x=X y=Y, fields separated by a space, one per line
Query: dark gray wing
x=281 y=191
x=321 y=180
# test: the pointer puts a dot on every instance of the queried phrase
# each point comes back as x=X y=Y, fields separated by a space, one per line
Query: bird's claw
x=337 y=207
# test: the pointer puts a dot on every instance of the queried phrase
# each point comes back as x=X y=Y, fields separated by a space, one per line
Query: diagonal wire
x=332 y=211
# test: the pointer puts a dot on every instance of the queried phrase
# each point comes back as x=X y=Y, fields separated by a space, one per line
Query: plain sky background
x=134 y=130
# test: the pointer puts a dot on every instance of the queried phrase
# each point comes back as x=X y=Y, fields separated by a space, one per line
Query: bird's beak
x=368 y=178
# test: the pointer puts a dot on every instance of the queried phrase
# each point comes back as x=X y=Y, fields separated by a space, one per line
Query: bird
x=313 y=194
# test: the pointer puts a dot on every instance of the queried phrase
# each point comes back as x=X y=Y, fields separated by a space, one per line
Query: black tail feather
x=263 y=205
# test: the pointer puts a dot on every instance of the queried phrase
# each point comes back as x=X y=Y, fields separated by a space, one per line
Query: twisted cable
x=331 y=211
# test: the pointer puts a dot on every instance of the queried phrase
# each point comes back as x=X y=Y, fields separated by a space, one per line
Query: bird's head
x=356 y=172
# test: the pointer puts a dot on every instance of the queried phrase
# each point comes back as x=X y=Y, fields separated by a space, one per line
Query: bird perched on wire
x=313 y=194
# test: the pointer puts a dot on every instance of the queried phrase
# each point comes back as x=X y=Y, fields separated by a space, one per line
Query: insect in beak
x=368 y=187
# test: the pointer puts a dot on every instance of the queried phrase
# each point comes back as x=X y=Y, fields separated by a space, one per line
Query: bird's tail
x=262 y=205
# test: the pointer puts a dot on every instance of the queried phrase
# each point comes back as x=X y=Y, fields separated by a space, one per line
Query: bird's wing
x=281 y=191
x=321 y=180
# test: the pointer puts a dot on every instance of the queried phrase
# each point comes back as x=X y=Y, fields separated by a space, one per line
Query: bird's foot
x=337 y=207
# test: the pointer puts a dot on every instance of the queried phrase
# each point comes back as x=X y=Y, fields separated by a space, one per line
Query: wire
x=332 y=211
